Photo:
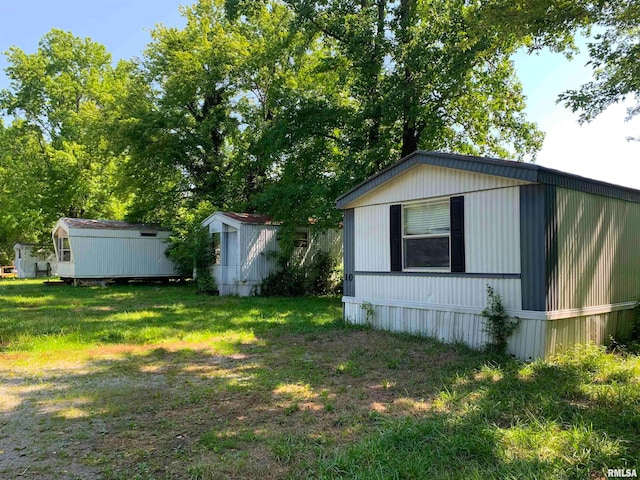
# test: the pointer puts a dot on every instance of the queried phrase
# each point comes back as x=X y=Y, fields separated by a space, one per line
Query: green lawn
x=156 y=382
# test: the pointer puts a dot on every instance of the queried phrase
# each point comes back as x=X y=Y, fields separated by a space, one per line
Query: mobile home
x=33 y=261
x=245 y=245
x=424 y=237
x=109 y=249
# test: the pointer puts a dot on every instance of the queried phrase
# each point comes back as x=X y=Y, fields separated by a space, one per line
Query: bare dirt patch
x=180 y=410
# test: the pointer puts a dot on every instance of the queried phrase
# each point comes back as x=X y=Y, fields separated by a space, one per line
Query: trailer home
x=108 y=249
x=32 y=261
x=244 y=246
x=424 y=237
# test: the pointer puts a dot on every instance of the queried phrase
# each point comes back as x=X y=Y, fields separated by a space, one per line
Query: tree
x=181 y=128
x=57 y=159
x=615 y=58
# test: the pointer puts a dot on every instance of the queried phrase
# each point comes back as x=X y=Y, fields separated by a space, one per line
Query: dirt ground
x=176 y=411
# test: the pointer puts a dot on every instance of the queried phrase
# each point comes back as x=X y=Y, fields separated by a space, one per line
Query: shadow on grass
x=572 y=419
x=275 y=388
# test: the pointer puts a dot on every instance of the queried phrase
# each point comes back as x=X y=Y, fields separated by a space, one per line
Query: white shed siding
x=110 y=256
x=424 y=181
x=257 y=245
x=441 y=290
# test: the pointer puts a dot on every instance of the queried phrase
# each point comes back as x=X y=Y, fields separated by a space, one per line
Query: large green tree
x=614 y=53
x=57 y=159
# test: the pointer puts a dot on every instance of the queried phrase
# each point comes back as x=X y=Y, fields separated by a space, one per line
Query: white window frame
x=62 y=250
x=437 y=201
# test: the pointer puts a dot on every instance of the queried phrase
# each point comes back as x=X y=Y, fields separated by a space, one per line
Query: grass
x=156 y=382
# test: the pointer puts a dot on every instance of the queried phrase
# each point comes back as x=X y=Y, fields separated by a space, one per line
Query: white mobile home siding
x=113 y=256
x=427 y=181
x=103 y=253
x=248 y=251
x=446 y=307
x=560 y=249
x=492 y=232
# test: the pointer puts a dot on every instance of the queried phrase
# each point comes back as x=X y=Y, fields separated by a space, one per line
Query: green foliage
x=272 y=106
x=191 y=250
x=293 y=279
x=614 y=52
x=498 y=324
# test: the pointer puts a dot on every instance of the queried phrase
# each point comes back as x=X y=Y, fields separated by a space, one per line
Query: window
x=64 y=250
x=148 y=234
x=301 y=239
x=215 y=247
x=425 y=235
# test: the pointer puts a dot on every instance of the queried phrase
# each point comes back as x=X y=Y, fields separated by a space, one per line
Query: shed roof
x=252 y=218
x=491 y=166
x=108 y=224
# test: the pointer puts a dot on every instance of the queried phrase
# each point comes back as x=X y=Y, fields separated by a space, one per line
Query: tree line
x=279 y=106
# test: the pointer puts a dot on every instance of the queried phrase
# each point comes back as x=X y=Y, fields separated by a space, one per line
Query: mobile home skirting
x=539 y=334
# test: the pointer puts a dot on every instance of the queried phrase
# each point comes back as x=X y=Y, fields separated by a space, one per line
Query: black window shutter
x=395 y=221
x=457 y=234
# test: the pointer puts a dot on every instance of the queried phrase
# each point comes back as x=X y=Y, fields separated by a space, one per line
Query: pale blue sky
x=597 y=150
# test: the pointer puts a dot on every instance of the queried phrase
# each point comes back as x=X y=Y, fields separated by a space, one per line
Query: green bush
x=498 y=325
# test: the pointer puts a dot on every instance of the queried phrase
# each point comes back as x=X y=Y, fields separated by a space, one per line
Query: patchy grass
x=147 y=382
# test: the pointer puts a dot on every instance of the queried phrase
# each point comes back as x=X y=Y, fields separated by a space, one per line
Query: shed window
x=148 y=234
x=64 y=250
x=301 y=240
x=426 y=235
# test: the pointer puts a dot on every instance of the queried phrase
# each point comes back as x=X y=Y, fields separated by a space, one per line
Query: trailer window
x=426 y=229
x=64 y=250
x=301 y=239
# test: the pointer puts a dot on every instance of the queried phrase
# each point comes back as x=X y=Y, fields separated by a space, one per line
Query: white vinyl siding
x=427 y=181
x=491 y=225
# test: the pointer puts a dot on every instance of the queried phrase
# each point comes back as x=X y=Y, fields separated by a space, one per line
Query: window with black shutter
x=428 y=235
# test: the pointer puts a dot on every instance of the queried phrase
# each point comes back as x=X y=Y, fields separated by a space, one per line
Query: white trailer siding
x=492 y=233
x=112 y=257
x=258 y=244
x=248 y=249
x=447 y=307
x=126 y=251
x=446 y=323
x=427 y=181
x=29 y=257
x=438 y=290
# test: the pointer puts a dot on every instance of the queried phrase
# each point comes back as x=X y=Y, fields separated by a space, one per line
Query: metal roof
x=108 y=224
x=491 y=166
x=250 y=218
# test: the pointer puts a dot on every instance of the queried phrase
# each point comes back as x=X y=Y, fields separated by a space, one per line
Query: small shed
x=109 y=249
x=33 y=261
x=424 y=237
x=244 y=245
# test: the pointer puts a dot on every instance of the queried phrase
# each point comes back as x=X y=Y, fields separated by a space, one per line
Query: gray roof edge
x=491 y=166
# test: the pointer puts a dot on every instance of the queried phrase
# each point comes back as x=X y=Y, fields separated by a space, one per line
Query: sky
x=598 y=150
